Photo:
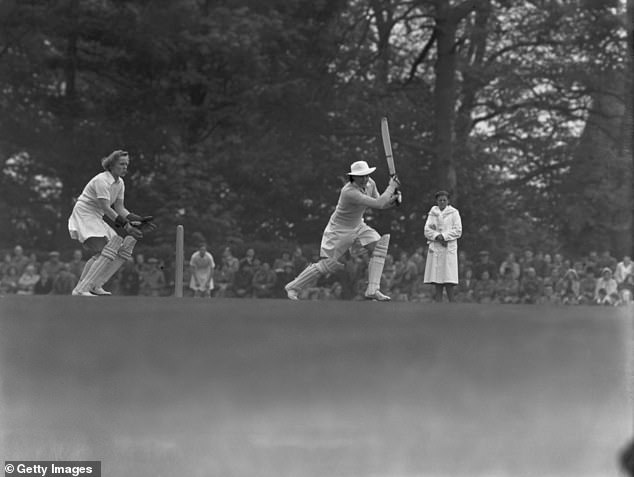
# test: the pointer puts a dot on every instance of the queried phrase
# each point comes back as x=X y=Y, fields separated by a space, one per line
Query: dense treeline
x=242 y=116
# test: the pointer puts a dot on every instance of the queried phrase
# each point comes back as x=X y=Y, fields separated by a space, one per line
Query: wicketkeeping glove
x=143 y=223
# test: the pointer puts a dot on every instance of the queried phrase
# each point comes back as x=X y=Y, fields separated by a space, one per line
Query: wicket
x=179 y=263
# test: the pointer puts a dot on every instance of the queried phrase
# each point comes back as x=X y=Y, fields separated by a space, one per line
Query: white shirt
x=102 y=186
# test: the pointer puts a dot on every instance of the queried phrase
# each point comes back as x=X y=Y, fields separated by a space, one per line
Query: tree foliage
x=242 y=117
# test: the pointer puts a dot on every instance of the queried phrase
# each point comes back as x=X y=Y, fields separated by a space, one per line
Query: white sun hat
x=360 y=168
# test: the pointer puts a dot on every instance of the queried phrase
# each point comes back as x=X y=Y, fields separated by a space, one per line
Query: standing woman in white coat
x=443 y=228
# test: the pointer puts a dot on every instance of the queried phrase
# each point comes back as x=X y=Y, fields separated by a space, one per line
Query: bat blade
x=387 y=145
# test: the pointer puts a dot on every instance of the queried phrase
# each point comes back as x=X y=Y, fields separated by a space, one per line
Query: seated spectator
x=64 y=281
x=607 y=284
x=299 y=261
x=336 y=292
x=463 y=263
x=129 y=281
x=249 y=257
x=405 y=272
x=152 y=279
x=9 y=281
x=389 y=270
x=243 y=279
x=28 y=280
x=5 y=264
x=484 y=289
x=281 y=279
x=546 y=269
x=606 y=260
x=549 y=297
x=282 y=261
x=570 y=287
x=530 y=287
x=601 y=297
x=628 y=283
x=623 y=269
x=19 y=260
x=615 y=299
x=587 y=286
x=592 y=260
x=466 y=283
x=539 y=264
x=229 y=262
x=510 y=263
x=559 y=265
x=485 y=264
x=53 y=265
x=507 y=287
x=44 y=285
x=418 y=257
x=77 y=263
x=526 y=261
x=264 y=280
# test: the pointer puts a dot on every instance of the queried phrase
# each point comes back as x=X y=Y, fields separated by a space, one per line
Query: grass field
x=272 y=388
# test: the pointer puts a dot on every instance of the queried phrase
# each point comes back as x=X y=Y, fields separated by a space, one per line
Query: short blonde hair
x=109 y=161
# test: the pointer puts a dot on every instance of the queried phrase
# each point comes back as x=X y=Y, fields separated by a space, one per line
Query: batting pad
x=307 y=278
x=123 y=254
x=329 y=265
x=89 y=263
x=108 y=254
x=375 y=267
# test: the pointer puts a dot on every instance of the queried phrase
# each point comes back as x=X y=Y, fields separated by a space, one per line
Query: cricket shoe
x=377 y=296
x=292 y=293
x=100 y=291
x=81 y=293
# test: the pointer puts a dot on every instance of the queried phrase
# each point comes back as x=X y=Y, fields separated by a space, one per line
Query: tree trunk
x=444 y=98
x=68 y=114
x=629 y=115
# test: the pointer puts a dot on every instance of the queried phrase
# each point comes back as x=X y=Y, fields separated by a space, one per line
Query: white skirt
x=84 y=223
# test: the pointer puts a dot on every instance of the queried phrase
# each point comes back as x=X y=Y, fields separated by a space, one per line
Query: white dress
x=86 y=220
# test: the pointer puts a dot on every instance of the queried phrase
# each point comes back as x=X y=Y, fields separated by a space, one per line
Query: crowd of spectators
x=530 y=278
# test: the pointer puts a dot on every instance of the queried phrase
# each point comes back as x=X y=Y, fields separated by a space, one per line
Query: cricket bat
x=387 y=145
x=389 y=157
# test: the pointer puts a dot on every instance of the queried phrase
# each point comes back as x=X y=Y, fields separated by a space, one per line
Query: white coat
x=442 y=261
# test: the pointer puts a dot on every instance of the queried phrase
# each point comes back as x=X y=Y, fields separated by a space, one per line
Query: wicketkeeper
x=97 y=216
x=347 y=231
